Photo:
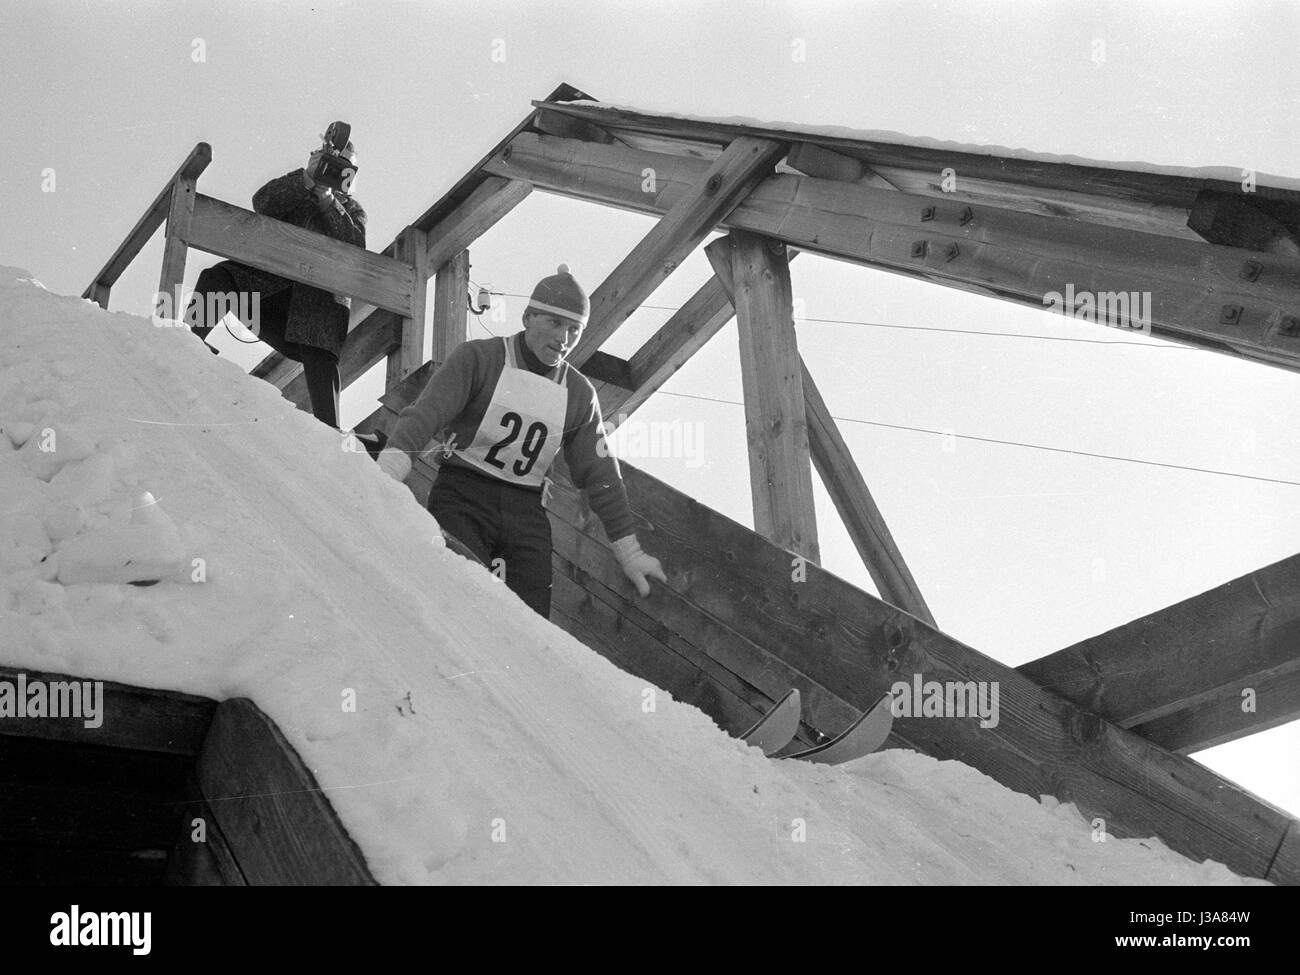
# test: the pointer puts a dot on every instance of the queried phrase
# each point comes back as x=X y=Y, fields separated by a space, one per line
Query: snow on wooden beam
x=1209 y=669
x=756 y=272
x=1221 y=298
x=698 y=208
x=1038 y=743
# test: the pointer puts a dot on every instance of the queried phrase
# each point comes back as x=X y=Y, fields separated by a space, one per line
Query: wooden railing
x=390 y=290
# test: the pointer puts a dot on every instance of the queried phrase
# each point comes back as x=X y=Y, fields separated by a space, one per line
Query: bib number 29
x=530 y=449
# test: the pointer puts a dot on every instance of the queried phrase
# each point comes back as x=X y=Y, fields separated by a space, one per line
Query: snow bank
x=486 y=745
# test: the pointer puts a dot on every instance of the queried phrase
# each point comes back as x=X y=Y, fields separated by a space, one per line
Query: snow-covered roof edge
x=1222 y=173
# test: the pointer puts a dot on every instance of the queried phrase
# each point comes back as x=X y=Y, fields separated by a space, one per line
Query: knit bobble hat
x=560 y=295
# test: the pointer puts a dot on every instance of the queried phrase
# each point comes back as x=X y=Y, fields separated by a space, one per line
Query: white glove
x=395 y=463
x=637 y=565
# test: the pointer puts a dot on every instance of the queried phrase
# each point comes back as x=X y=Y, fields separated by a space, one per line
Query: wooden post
x=780 y=465
x=412 y=247
x=450 y=306
x=179 y=213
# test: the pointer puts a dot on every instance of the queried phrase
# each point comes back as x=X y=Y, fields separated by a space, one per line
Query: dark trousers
x=504 y=525
x=320 y=366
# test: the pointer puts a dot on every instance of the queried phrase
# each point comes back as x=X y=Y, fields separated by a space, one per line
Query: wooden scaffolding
x=732 y=630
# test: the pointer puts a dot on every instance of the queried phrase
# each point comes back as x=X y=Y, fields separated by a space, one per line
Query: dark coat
x=316 y=317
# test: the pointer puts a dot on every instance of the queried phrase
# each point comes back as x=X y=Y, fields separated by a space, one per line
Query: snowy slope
x=324 y=577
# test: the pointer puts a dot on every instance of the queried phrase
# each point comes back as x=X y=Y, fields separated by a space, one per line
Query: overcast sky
x=1019 y=551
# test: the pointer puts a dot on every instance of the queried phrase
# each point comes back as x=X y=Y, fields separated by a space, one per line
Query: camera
x=332 y=164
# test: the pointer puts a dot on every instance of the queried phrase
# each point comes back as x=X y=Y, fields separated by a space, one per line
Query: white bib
x=523 y=426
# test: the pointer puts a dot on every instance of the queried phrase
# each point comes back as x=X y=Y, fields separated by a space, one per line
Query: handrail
x=197 y=161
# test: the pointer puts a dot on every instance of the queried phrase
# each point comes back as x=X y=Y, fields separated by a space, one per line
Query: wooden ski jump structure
x=1107 y=723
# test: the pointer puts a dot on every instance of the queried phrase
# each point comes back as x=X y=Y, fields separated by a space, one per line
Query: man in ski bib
x=504 y=407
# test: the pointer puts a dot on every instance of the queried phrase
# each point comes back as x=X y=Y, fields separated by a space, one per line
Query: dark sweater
x=455 y=398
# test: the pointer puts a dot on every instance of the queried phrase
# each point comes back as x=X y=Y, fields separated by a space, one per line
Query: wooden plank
x=205 y=863
x=492 y=199
x=780 y=466
x=412 y=248
x=180 y=215
x=475 y=177
x=857 y=647
x=1286 y=862
x=451 y=308
x=718 y=188
x=630 y=648
x=608 y=369
x=98 y=290
x=1130 y=185
x=137 y=718
x=689 y=329
x=857 y=508
x=1220 y=719
x=747 y=668
x=554 y=123
x=300 y=255
x=1235 y=220
x=814 y=160
x=279 y=824
x=487 y=204
x=1186 y=286
x=1202 y=650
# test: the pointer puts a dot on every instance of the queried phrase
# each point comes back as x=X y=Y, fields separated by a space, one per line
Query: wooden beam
x=1237 y=220
x=700 y=635
x=180 y=216
x=491 y=200
x=479 y=213
x=858 y=647
x=411 y=248
x=1139 y=188
x=98 y=290
x=136 y=718
x=719 y=187
x=1221 y=298
x=301 y=255
x=280 y=827
x=1196 y=656
x=1221 y=719
x=451 y=308
x=857 y=508
x=756 y=272
x=568 y=127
